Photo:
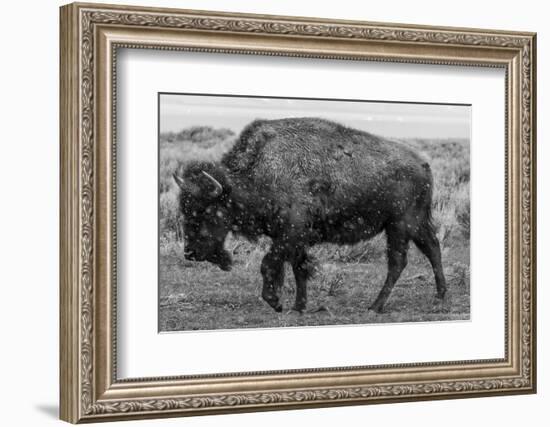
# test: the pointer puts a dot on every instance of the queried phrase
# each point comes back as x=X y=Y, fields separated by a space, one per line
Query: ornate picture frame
x=90 y=37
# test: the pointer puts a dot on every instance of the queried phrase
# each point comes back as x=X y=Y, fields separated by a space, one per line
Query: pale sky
x=398 y=120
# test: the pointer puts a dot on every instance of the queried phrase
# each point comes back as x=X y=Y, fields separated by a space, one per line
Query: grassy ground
x=196 y=296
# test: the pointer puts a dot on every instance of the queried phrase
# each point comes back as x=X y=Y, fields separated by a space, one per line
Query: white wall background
x=29 y=171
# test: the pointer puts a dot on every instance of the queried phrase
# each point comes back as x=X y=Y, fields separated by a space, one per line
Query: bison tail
x=426 y=196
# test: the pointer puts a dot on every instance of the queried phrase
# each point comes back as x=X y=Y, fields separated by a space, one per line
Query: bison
x=304 y=181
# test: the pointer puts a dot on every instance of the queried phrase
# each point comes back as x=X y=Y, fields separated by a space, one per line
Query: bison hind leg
x=426 y=240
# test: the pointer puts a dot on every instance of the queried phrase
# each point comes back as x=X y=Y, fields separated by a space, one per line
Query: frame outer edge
x=77 y=340
x=533 y=201
x=305 y=19
x=69 y=354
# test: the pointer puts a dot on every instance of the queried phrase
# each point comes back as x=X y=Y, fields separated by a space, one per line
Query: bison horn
x=188 y=187
x=218 y=188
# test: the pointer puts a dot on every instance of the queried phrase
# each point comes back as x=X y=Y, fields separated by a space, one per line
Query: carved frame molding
x=89 y=388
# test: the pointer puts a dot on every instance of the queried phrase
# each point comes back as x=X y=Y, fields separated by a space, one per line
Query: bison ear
x=218 y=188
x=187 y=187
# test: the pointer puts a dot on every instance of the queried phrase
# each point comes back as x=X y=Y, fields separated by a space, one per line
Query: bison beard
x=303 y=181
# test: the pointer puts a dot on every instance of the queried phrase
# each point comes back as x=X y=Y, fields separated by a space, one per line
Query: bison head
x=203 y=202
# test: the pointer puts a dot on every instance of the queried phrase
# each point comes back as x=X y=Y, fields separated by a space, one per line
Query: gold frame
x=90 y=35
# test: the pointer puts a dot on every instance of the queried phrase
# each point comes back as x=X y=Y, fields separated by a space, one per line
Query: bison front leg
x=302 y=267
x=273 y=273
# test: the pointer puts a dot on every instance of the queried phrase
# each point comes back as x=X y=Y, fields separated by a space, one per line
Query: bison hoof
x=377 y=308
x=273 y=301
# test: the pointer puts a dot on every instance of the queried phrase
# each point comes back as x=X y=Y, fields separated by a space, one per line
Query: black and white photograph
x=286 y=212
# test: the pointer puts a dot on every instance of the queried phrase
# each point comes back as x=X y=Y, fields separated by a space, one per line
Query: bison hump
x=247 y=151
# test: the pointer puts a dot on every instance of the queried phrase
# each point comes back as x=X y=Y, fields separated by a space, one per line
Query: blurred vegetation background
x=200 y=296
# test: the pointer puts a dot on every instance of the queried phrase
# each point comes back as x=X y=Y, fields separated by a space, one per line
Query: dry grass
x=201 y=296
